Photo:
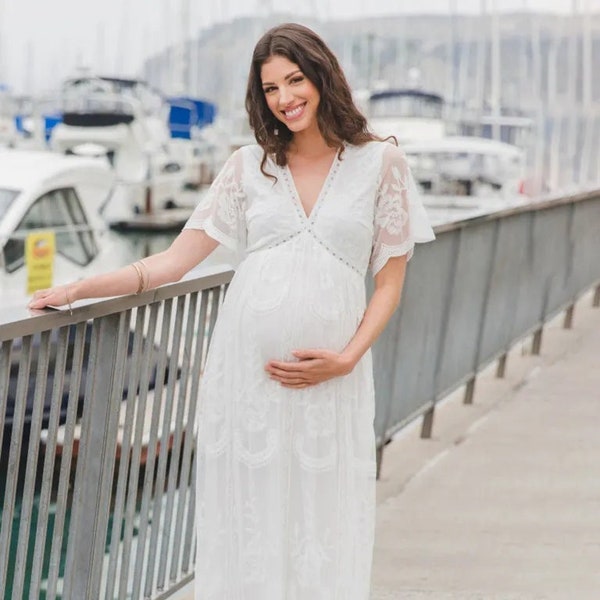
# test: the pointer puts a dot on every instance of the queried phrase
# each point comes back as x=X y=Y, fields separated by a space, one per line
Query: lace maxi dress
x=286 y=478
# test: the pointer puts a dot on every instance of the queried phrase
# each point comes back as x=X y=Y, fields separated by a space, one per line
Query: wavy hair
x=338 y=117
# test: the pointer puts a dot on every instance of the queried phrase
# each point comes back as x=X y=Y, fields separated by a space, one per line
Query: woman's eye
x=298 y=79
x=268 y=90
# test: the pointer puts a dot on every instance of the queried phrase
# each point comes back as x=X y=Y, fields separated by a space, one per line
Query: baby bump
x=292 y=304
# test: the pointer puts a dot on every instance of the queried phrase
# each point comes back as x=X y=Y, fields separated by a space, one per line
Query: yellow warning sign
x=39 y=258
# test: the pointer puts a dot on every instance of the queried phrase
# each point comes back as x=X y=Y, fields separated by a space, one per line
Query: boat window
x=60 y=211
x=6 y=198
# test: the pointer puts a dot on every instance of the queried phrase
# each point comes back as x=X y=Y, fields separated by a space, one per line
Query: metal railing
x=97 y=408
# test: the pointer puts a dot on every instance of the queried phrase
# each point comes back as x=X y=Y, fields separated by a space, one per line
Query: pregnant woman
x=286 y=446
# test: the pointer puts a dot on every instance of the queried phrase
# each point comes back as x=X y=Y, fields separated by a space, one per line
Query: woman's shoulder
x=380 y=150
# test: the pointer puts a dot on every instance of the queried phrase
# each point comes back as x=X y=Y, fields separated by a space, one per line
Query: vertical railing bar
x=65 y=463
x=14 y=457
x=178 y=427
x=95 y=463
x=136 y=449
x=163 y=446
x=5 y=357
x=150 y=453
x=111 y=434
x=168 y=542
x=188 y=439
x=5 y=354
x=202 y=343
x=49 y=460
x=118 y=506
x=173 y=367
x=70 y=575
x=191 y=519
x=35 y=426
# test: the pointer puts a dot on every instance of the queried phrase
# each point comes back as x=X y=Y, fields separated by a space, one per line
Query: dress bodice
x=367 y=211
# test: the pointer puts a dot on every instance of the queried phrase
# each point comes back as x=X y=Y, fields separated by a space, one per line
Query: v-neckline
x=333 y=168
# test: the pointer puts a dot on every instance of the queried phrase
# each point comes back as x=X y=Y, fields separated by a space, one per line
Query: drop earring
x=276 y=131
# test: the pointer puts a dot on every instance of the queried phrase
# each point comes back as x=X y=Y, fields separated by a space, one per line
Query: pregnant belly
x=287 y=303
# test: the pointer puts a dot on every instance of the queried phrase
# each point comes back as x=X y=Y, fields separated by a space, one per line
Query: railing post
x=596 y=301
x=95 y=462
x=427 y=425
x=379 y=459
x=501 y=368
x=568 y=321
x=470 y=391
x=536 y=345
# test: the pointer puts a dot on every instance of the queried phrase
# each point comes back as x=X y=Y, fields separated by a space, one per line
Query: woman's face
x=292 y=98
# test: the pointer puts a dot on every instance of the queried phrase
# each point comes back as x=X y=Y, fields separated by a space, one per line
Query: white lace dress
x=286 y=478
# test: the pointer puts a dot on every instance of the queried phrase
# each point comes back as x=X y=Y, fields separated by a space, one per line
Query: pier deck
x=504 y=502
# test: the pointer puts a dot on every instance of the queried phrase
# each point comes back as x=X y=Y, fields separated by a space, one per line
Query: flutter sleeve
x=400 y=219
x=221 y=213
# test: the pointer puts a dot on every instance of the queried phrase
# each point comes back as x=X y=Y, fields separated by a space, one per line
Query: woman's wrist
x=348 y=361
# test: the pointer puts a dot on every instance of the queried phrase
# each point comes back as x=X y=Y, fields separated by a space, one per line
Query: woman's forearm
x=189 y=248
x=379 y=311
x=384 y=301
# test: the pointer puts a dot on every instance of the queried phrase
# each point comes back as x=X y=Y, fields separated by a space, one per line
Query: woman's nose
x=285 y=96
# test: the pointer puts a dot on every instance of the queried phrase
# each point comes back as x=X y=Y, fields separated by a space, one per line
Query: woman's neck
x=309 y=144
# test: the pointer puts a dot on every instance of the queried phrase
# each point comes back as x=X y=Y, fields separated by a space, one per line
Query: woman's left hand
x=312 y=367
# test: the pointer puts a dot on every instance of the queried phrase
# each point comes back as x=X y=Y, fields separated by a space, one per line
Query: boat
x=126 y=121
x=43 y=191
x=408 y=114
x=457 y=174
x=467 y=166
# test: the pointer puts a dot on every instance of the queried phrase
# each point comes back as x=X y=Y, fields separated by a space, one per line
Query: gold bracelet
x=147 y=280
x=68 y=300
x=140 y=278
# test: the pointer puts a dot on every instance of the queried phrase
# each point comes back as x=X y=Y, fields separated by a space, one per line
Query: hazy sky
x=42 y=41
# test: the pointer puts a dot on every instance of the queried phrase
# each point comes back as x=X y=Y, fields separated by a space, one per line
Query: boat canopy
x=406 y=104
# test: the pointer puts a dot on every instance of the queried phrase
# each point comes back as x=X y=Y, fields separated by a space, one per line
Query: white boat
x=127 y=121
x=407 y=114
x=44 y=191
x=468 y=172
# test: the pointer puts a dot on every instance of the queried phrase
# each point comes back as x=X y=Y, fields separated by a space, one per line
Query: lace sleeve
x=400 y=219
x=221 y=212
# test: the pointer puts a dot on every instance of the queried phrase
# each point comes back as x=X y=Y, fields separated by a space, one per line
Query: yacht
x=408 y=114
x=44 y=191
x=126 y=121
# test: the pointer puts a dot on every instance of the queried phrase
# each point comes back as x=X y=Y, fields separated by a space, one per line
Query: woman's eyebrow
x=285 y=78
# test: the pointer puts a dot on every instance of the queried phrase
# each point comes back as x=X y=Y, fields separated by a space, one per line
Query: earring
x=276 y=131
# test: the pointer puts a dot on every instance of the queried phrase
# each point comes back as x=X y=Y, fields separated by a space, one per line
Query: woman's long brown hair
x=338 y=117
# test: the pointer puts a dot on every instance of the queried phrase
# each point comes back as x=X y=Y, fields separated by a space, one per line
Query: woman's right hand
x=55 y=296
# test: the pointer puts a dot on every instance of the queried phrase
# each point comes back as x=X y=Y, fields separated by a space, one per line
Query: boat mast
x=496 y=76
x=481 y=61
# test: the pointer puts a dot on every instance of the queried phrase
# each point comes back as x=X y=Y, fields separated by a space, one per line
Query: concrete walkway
x=504 y=502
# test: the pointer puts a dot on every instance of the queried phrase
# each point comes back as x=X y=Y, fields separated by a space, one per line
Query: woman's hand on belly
x=313 y=366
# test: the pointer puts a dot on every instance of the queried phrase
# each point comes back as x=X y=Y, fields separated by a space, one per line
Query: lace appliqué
x=220 y=214
x=392 y=211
